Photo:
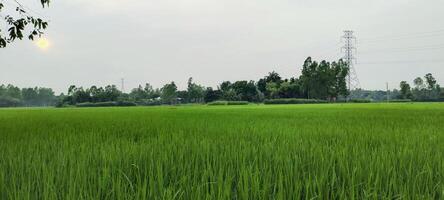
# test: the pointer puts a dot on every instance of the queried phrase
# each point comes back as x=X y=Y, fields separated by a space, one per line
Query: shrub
x=294 y=101
x=61 y=104
x=99 y=104
x=106 y=104
x=400 y=100
x=218 y=103
x=149 y=102
x=231 y=103
x=360 y=101
x=224 y=103
x=126 y=103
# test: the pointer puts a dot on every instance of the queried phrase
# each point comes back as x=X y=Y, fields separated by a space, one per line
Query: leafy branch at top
x=21 y=22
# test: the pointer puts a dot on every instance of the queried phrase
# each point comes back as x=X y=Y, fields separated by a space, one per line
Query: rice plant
x=328 y=151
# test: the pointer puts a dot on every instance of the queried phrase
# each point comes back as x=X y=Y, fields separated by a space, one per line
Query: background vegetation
x=320 y=82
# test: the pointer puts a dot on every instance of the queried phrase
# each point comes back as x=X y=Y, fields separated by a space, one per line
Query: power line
x=439 y=32
x=401 y=62
x=407 y=49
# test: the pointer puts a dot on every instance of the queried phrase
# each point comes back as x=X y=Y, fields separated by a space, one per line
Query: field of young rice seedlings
x=334 y=151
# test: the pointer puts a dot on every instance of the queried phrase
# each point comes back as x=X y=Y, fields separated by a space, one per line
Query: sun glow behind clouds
x=42 y=43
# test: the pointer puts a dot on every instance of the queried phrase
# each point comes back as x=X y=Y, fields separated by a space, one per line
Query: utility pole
x=349 y=51
x=388 y=92
x=122 y=88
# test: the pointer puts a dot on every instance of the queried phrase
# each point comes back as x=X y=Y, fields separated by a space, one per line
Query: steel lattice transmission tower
x=349 y=50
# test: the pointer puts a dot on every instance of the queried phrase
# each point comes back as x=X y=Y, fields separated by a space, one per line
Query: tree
x=273 y=80
x=111 y=93
x=308 y=77
x=19 y=22
x=419 y=83
x=97 y=94
x=419 y=90
x=225 y=86
x=212 y=95
x=150 y=92
x=2 y=90
x=38 y=96
x=81 y=96
x=273 y=77
x=29 y=96
x=430 y=80
x=182 y=96
x=324 y=80
x=433 y=89
x=169 y=93
x=6 y=101
x=10 y=96
x=428 y=90
x=146 y=92
x=138 y=93
x=246 y=91
x=195 y=92
x=272 y=90
x=45 y=97
x=262 y=85
x=230 y=95
x=406 y=92
x=228 y=92
x=340 y=71
x=13 y=92
x=290 y=89
x=441 y=94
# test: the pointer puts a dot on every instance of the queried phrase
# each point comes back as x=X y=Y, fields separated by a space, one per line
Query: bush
x=400 y=100
x=106 y=104
x=294 y=101
x=99 y=104
x=126 y=103
x=218 y=103
x=230 y=103
x=360 y=101
x=149 y=102
x=61 y=104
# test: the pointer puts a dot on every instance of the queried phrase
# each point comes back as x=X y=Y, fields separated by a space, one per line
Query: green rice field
x=330 y=151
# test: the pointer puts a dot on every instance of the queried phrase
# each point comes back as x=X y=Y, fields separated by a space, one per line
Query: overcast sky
x=98 y=42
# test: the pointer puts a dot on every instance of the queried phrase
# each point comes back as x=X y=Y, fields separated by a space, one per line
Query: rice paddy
x=331 y=151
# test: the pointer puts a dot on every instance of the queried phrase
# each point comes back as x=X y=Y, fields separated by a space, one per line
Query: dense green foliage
x=293 y=101
x=107 y=104
x=400 y=100
x=227 y=103
x=428 y=90
x=12 y=96
x=322 y=80
x=360 y=101
x=330 y=151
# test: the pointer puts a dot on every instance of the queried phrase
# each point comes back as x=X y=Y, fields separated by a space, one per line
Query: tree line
x=318 y=80
x=425 y=89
